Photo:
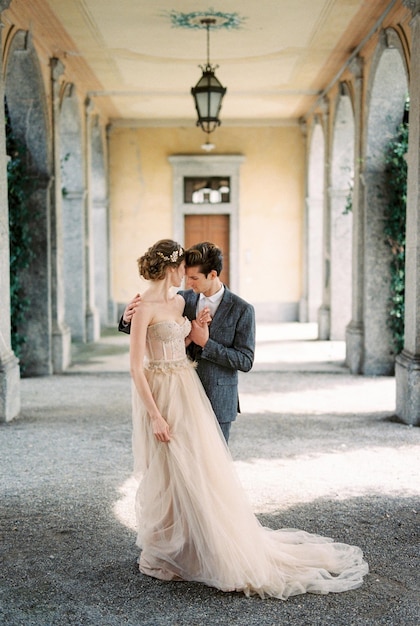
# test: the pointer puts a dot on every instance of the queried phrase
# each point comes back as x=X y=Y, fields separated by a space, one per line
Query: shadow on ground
x=348 y=473
x=68 y=561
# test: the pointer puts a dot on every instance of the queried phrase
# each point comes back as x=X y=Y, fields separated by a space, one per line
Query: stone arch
x=314 y=221
x=100 y=234
x=340 y=227
x=27 y=107
x=73 y=189
x=387 y=93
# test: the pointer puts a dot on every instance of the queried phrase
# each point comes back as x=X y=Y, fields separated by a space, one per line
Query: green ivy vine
x=21 y=252
x=395 y=228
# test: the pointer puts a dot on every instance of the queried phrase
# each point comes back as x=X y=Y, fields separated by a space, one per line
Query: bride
x=194 y=520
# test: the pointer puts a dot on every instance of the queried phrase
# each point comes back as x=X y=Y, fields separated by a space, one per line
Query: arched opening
x=388 y=93
x=28 y=124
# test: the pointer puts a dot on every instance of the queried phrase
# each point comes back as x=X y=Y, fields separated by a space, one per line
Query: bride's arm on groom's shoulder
x=124 y=324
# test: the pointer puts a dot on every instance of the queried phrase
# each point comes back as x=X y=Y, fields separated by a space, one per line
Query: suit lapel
x=222 y=312
x=191 y=299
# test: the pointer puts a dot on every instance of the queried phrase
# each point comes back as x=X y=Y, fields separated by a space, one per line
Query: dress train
x=194 y=520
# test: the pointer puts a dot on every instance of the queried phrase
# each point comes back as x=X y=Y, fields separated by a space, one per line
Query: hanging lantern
x=208 y=92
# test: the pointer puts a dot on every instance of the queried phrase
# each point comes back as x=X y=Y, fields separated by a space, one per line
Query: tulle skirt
x=194 y=520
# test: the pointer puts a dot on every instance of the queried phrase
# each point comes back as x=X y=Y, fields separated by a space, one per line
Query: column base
x=303 y=311
x=112 y=313
x=324 y=320
x=93 y=326
x=61 y=348
x=354 y=347
x=9 y=387
x=407 y=375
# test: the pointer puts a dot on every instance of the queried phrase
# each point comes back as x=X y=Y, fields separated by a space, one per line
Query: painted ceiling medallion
x=195 y=19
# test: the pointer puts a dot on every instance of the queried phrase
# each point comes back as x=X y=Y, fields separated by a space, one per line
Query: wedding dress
x=194 y=520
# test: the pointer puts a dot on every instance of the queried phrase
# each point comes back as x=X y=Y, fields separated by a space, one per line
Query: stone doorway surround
x=207 y=166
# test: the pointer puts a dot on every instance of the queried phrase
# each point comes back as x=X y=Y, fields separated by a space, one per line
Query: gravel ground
x=315 y=448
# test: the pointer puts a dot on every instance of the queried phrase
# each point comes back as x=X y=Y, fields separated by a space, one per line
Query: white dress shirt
x=211 y=302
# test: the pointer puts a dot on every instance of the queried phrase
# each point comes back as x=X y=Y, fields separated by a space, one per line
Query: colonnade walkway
x=315 y=448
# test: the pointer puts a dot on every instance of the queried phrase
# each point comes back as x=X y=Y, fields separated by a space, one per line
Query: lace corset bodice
x=166 y=341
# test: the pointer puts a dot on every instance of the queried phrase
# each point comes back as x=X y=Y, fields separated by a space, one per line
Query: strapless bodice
x=165 y=341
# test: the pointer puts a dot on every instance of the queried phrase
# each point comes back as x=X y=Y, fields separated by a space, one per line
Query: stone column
x=112 y=305
x=102 y=252
x=9 y=364
x=75 y=272
x=340 y=263
x=314 y=208
x=324 y=313
x=407 y=370
x=101 y=225
x=61 y=340
x=93 y=329
x=354 y=330
x=303 y=303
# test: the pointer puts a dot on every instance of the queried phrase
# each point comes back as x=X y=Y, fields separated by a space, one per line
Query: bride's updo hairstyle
x=163 y=254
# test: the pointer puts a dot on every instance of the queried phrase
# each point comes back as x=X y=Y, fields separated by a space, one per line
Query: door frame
x=207 y=166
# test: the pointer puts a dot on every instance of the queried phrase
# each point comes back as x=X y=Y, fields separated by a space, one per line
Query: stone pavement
x=315 y=448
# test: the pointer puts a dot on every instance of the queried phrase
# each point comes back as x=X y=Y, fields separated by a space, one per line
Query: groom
x=223 y=347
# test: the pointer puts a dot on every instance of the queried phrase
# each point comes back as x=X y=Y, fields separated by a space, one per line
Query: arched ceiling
x=274 y=56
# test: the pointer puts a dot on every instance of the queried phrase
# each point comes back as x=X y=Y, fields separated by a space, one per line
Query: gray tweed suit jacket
x=229 y=349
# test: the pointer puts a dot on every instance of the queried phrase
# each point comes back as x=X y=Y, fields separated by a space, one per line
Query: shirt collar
x=216 y=297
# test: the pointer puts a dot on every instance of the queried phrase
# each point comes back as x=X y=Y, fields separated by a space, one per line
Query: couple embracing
x=194 y=521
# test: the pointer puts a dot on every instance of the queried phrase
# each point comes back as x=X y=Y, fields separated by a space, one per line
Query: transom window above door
x=212 y=190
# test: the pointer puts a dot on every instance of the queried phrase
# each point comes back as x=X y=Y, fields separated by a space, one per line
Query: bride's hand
x=204 y=317
x=161 y=429
x=199 y=333
x=130 y=309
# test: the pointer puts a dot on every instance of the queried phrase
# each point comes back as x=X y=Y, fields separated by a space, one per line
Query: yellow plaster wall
x=271 y=203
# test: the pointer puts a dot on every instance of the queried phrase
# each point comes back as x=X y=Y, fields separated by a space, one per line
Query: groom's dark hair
x=206 y=256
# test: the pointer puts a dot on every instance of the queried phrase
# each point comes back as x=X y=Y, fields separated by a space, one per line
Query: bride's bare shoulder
x=179 y=301
x=149 y=298
x=146 y=309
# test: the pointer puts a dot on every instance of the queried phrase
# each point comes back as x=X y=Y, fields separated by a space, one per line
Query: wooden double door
x=213 y=228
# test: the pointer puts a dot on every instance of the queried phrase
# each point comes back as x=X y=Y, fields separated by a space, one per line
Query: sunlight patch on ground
x=275 y=484
x=289 y=331
x=280 y=483
x=359 y=397
x=124 y=506
x=295 y=343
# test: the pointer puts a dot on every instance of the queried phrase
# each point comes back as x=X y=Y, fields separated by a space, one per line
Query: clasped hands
x=200 y=328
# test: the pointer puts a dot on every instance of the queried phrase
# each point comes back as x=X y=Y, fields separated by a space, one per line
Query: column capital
x=324 y=106
x=413 y=5
x=356 y=67
x=303 y=127
x=4 y=4
x=57 y=68
x=89 y=106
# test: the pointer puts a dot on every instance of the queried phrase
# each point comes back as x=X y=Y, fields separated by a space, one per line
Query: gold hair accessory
x=173 y=257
